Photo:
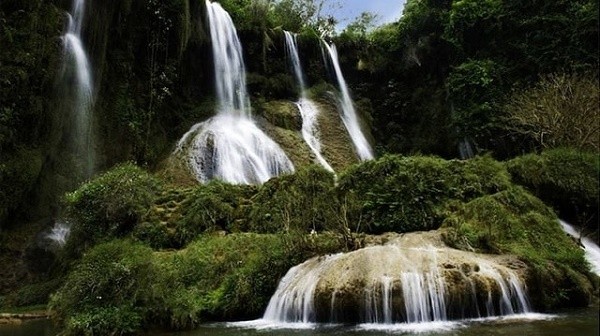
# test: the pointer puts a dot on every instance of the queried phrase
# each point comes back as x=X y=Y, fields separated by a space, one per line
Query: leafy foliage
x=215 y=206
x=473 y=92
x=109 y=290
x=120 y=285
x=405 y=194
x=110 y=205
x=293 y=202
x=564 y=178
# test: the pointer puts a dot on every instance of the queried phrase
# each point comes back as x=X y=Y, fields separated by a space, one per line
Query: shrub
x=561 y=110
x=110 y=205
x=108 y=292
x=214 y=206
x=300 y=201
x=227 y=277
x=565 y=178
x=410 y=193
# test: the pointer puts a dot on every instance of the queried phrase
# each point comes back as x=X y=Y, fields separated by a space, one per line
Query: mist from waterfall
x=77 y=65
x=308 y=109
x=349 y=116
x=230 y=146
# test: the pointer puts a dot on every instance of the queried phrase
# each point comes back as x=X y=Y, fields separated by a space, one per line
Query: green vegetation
x=299 y=201
x=564 y=178
x=405 y=194
x=515 y=222
x=110 y=205
x=120 y=286
x=509 y=77
x=108 y=292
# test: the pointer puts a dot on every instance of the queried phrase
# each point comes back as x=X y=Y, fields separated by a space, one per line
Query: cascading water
x=308 y=109
x=592 y=251
x=230 y=146
x=401 y=282
x=77 y=65
x=349 y=117
x=59 y=233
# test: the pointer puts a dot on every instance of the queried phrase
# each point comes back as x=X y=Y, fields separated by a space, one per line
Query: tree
x=561 y=110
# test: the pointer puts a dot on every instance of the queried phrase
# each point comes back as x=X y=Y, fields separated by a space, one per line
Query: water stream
x=230 y=146
x=308 y=109
x=77 y=66
x=349 y=116
x=592 y=251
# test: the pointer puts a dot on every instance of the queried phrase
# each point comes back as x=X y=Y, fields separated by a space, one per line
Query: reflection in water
x=42 y=327
x=572 y=323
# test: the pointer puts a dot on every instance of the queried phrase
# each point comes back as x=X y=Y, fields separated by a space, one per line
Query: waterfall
x=400 y=282
x=349 y=117
x=592 y=251
x=59 y=233
x=308 y=109
x=230 y=146
x=77 y=63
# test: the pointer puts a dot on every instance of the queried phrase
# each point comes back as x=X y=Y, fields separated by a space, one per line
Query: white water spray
x=308 y=109
x=76 y=60
x=592 y=251
x=59 y=233
x=349 y=117
x=230 y=146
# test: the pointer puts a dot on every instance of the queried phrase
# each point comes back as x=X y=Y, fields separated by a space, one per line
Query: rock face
x=412 y=278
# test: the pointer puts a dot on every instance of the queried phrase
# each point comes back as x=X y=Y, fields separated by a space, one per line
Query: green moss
x=292 y=144
x=108 y=292
x=120 y=285
x=515 y=222
x=282 y=114
x=336 y=145
x=411 y=193
x=110 y=205
x=567 y=179
x=299 y=201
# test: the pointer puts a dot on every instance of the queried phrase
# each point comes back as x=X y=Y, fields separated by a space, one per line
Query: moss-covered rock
x=517 y=223
x=565 y=178
x=282 y=114
x=336 y=145
x=110 y=205
x=404 y=194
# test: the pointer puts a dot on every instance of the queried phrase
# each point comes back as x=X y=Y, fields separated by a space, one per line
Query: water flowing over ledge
x=230 y=146
x=592 y=250
x=413 y=282
x=77 y=65
x=349 y=117
x=308 y=109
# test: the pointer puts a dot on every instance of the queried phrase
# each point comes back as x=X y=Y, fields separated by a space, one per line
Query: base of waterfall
x=232 y=148
x=415 y=328
x=413 y=278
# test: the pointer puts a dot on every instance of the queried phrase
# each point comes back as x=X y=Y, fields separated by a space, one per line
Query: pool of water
x=571 y=323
